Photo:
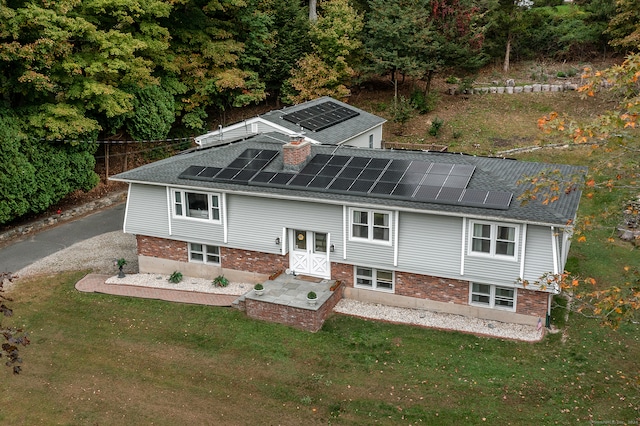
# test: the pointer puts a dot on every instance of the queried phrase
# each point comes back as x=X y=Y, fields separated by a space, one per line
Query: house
x=437 y=231
x=316 y=120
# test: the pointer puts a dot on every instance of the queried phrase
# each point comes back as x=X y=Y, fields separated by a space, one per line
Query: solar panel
x=282 y=178
x=191 y=171
x=392 y=176
x=378 y=163
x=440 y=168
x=406 y=180
x=383 y=188
x=399 y=165
x=263 y=177
x=456 y=181
x=300 y=180
x=361 y=185
x=434 y=180
x=449 y=195
x=498 y=199
x=359 y=161
x=339 y=160
x=320 y=182
x=474 y=197
x=350 y=172
x=209 y=172
x=372 y=174
x=340 y=184
x=404 y=190
x=321 y=116
x=330 y=171
x=427 y=194
x=462 y=170
x=227 y=174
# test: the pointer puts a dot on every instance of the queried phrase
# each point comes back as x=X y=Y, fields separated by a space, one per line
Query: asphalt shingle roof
x=333 y=135
x=491 y=174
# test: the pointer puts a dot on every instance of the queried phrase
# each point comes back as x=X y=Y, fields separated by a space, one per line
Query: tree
x=614 y=131
x=13 y=337
x=400 y=39
x=506 y=23
x=335 y=37
x=287 y=42
x=624 y=27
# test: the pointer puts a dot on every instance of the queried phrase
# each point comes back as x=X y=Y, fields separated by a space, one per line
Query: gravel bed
x=99 y=253
x=439 y=320
x=187 y=284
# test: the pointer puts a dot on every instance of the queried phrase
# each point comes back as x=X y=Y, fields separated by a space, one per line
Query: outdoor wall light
x=332 y=248
x=277 y=241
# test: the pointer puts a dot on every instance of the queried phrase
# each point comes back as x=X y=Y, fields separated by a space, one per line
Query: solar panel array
x=407 y=180
x=321 y=116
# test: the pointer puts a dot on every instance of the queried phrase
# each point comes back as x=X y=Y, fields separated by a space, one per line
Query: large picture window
x=493 y=239
x=492 y=296
x=375 y=279
x=196 y=205
x=371 y=225
x=204 y=253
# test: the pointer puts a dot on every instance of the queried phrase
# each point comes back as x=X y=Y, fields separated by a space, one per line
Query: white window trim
x=204 y=254
x=492 y=297
x=209 y=195
x=370 y=238
x=493 y=239
x=374 y=279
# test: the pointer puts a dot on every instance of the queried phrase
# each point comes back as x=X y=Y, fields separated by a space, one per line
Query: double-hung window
x=493 y=239
x=196 y=205
x=375 y=279
x=204 y=253
x=492 y=296
x=371 y=225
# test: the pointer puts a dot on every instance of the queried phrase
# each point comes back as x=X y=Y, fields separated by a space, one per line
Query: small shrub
x=457 y=134
x=466 y=84
x=452 y=80
x=175 y=277
x=258 y=287
x=436 y=127
x=312 y=295
x=572 y=72
x=424 y=103
x=220 y=281
x=561 y=74
x=121 y=262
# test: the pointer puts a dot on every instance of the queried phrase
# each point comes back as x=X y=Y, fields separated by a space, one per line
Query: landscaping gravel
x=99 y=253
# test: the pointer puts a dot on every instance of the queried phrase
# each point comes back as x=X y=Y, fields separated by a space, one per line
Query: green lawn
x=99 y=359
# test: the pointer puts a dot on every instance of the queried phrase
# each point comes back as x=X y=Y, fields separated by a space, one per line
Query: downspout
x=524 y=244
x=225 y=226
x=462 y=244
x=395 y=239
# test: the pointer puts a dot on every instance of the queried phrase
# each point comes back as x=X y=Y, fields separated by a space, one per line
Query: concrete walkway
x=96 y=283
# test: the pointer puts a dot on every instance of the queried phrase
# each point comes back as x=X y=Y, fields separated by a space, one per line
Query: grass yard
x=99 y=359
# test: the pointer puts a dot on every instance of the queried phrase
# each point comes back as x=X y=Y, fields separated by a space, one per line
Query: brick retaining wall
x=301 y=318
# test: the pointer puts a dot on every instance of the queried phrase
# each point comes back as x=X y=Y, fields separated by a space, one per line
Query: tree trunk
x=313 y=10
x=507 y=53
x=428 y=81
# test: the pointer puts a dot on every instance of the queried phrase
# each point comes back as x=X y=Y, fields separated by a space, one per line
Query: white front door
x=310 y=253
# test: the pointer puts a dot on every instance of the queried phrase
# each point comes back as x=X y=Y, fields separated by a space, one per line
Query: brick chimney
x=296 y=153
